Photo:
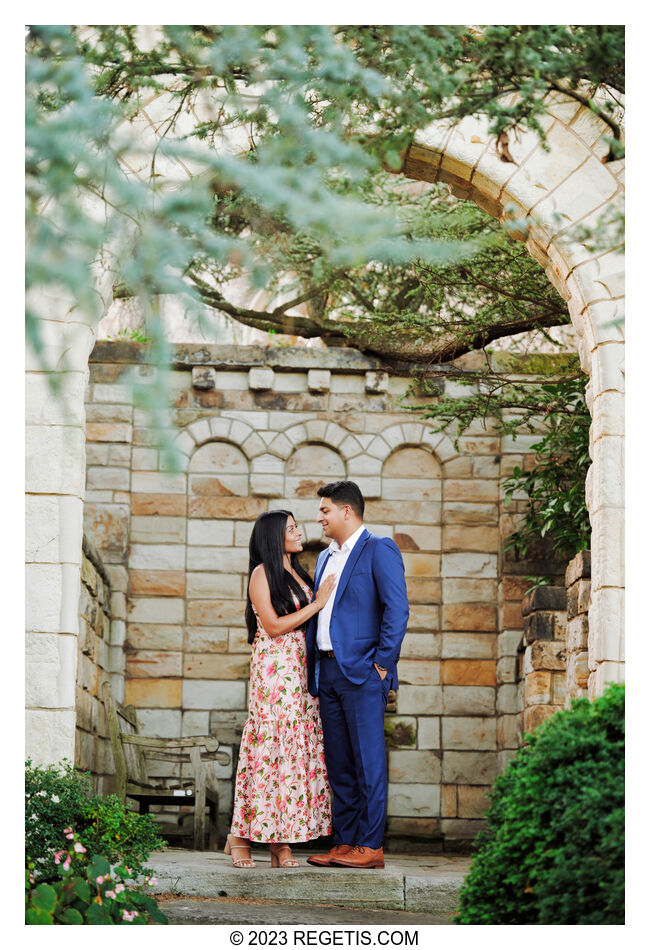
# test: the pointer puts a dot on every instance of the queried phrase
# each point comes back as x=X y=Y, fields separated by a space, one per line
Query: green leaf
x=70 y=916
x=81 y=889
x=36 y=916
x=98 y=867
x=44 y=898
x=98 y=914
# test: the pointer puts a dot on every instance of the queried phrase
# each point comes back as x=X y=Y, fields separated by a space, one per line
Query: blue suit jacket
x=369 y=614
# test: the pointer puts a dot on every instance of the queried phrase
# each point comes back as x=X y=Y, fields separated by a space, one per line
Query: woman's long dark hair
x=267 y=547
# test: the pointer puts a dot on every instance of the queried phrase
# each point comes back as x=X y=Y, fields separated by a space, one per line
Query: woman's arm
x=261 y=599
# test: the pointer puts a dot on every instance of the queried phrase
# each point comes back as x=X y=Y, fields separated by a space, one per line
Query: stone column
x=578 y=583
x=54 y=485
x=544 y=667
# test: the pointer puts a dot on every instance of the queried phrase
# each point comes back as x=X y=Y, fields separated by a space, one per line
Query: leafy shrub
x=56 y=797
x=553 y=849
x=89 y=892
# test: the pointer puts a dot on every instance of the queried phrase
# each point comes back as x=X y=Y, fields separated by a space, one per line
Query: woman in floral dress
x=282 y=794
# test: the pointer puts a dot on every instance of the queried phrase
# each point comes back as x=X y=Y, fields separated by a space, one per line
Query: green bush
x=58 y=797
x=553 y=848
x=88 y=891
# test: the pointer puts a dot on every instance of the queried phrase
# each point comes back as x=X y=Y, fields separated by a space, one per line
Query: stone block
x=238 y=640
x=473 y=801
x=421 y=565
x=578 y=598
x=204 y=377
x=235 y=508
x=457 y=537
x=457 y=512
x=215 y=613
x=419 y=700
x=448 y=801
x=506 y=669
x=54 y=460
x=319 y=380
x=544 y=599
x=376 y=382
x=107 y=526
x=579 y=568
x=158 y=503
x=469 y=565
x=540 y=626
x=401 y=512
x=413 y=801
x=547 y=655
x=475 y=733
x=509 y=732
x=508 y=700
x=98 y=477
x=534 y=715
x=158 y=483
x=514 y=588
x=208 y=694
x=117 y=636
x=468 y=617
x=156 y=610
x=50 y=670
x=559 y=688
x=160 y=723
x=470 y=489
x=538 y=688
x=109 y=432
x=153 y=693
x=468 y=700
x=419 y=672
x=425 y=646
x=422 y=591
x=577 y=672
x=469 y=590
x=510 y=614
x=400 y=732
x=206 y=640
x=417 y=538
x=156 y=529
x=158 y=583
x=428 y=732
x=223 y=560
x=469 y=646
x=153 y=663
x=53 y=528
x=196 y=723
x=215 y=666
x=468 y=672
x=212 y=585
x=261 y=378
x=469 y=768
x=412 y=827
x=413 y=766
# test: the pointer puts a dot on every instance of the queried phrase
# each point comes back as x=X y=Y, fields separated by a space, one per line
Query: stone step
x=414 y=883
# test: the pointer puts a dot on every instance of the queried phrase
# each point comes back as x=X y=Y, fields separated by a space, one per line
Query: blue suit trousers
x=355 y=753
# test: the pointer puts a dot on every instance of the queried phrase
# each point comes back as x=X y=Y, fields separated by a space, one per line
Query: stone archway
x=554 y=191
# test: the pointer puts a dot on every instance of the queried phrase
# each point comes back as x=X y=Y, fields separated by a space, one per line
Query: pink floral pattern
x=282 y=792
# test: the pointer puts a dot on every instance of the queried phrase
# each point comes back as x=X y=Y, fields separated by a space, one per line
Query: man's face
x=333 y=520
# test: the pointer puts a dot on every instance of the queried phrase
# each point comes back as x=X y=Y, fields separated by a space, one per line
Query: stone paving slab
x=409 y=883
x=231 y=913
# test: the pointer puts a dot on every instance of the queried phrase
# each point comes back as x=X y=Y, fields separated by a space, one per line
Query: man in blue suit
x=353 y=647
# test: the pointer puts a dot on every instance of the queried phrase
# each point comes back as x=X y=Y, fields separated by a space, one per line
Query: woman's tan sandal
x=282 y=858
x=244 y=862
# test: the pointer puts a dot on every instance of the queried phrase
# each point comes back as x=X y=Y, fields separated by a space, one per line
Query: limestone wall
x=263 y=428
x=92 y=745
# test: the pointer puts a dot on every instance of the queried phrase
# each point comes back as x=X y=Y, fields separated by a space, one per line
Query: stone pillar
x=54 y=485
x=578 y=583
x=544 y=667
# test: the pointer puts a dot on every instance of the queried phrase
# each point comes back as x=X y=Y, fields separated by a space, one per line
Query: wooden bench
x=131 y=751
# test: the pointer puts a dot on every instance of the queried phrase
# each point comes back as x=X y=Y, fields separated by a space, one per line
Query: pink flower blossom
x=102 y=878
x=119 y=888
x=68 y=832
x=79 y=848
x=57 y=859
x=129 y=915
x=111 y=895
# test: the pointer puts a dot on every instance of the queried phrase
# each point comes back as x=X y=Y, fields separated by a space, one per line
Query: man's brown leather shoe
x=325 y=860
x=361 y=857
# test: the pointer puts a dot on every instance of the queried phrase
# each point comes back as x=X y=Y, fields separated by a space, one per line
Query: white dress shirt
x=335 y=564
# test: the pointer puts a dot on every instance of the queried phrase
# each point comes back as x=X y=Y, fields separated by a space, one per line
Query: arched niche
x=309 y=467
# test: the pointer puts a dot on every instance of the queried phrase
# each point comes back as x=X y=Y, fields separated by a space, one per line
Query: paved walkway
x=409 y=885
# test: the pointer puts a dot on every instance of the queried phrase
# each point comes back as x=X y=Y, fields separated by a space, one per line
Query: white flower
x=56 y=799
x=33 y=817
x=42 y=793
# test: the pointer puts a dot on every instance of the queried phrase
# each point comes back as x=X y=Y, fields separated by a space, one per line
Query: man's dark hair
x=344 y=493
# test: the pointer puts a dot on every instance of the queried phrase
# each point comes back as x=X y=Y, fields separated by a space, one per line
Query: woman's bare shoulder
x=258 y=575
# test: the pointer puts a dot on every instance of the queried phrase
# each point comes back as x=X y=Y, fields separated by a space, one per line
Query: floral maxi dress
x=282 y=792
